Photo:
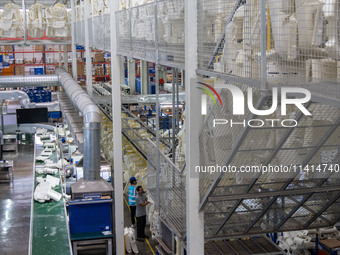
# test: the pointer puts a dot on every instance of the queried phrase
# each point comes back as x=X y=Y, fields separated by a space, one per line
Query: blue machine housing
x=90 y=216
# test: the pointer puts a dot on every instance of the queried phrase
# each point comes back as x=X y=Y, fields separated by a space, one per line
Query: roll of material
x=290 y=242
x=302 y=240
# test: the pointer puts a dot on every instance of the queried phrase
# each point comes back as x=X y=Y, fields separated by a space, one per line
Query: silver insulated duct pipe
x=29 y=81
x=91 y=115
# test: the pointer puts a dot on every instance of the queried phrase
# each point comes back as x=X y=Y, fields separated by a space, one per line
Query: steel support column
x=144 y=77
x=157 y=107
x=117 y=133
x=25 y=20
x=174 y=110
x=132 y=76
x=88 y=49
x=194 y=218
x=73 y=45
x=65 y=57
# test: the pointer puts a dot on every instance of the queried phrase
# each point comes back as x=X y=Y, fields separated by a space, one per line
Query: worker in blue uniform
x=132 y=199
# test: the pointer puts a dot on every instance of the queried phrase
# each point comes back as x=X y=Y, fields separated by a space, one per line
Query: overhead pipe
x=80 y=100
x=29 y=81
x=91 y=115
x=24 y=99
x=16 y=95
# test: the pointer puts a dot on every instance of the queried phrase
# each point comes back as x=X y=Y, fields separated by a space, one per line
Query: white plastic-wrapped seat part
x=100 y=7
x=58 y=21
x=11 y=22
x=36 y=20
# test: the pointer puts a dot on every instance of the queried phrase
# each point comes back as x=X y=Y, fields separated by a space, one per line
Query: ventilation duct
x=80 y=100
x=29 y=81
x=91 y=115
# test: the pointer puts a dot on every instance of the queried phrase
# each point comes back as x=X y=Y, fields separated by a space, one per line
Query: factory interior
x=157 y=127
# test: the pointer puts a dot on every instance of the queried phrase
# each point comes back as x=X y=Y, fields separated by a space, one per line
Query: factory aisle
x=15 y=203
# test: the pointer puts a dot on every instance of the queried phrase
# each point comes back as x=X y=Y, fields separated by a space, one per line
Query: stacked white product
x=154 y=220
x=58 y=21
x=124 y=4
x=36 y=20
x=11 y=22
x=302 y=41
x=284 y=26
x=171 y=21
x=299 y=242
x=100 y=7
x=180 y=149
x=80 y=11
x=130 y=240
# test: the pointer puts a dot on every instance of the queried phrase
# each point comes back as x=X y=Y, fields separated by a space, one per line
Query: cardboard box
x=8 y=48
x=99 y=71
x=108 y=70
x=99 y=57
x=38 y=47
x=80 y=69
x=19 y=70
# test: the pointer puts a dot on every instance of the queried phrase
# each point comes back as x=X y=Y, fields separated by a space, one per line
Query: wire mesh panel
x=229 y=37
x=143 y=32
x=123 y=32
x=98 y=32
x=171 y=37
x=91 y=35
x=172 y=189
x=302 y=43
x=141 y=42
x=247 y=197
x=78 y=32
x=82 y=34
x=107 y=32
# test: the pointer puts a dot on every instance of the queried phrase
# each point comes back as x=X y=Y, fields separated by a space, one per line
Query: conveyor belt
x=49 y=230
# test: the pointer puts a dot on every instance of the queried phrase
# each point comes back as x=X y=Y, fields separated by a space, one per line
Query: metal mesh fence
x=216 y=143
x=139 y=40
x=172 y=189
x=229 y=37
x=286 y=213
x=99 y=32
x=171 y=32
x=143 y=31
x=107 y=32
x=91 y=35
x=82 y=34
x=78 y=32
x=123 y=32
x=311 y=144
x=302 y=42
